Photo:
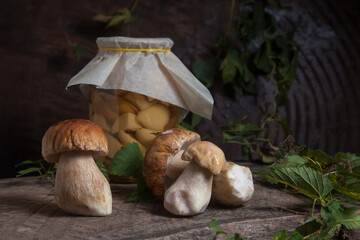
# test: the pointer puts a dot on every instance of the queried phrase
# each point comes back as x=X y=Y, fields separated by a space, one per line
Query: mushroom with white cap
x=80 y=187
x=191 y=192
x=233 y=186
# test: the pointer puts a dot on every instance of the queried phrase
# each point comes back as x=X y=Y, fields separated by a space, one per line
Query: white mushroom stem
x=191 y=193
x=233 y=186
x=175 y=166
x=80 y=187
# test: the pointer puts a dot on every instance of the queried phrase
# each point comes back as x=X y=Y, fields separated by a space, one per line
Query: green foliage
x=128 y=162
x=325 y=179
x=77 y=49
x=215 y=227
x=120 y=16
x=103 y=169
x=303 y=179
x=38 y=167
x=238 y=61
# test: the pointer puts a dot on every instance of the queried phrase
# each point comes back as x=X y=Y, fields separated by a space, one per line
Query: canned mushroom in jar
x=128 y=117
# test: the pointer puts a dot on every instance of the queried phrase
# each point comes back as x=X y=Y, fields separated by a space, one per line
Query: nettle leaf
x=127 y=162
x=310 y=226
x=335 y=215
x=292 y=161
x=347 y=185
x=303 y=179
x=205 y=70
x=348 y=164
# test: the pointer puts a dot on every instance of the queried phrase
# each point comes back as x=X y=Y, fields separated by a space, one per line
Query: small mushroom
x=80 y=187
x=233 y=186
x=162 y=162
x=191 y=192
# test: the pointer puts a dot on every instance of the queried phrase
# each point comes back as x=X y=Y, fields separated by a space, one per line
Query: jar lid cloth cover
x=146 y=66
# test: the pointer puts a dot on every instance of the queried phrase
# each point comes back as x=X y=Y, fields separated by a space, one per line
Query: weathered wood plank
x=28 y=211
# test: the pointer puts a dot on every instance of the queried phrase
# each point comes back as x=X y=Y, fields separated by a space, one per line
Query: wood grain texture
x=28 y=211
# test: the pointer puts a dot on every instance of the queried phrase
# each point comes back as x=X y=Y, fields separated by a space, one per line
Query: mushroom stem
x=191 y=192
x=233 y=186
x=80 y=187
x=175 y=166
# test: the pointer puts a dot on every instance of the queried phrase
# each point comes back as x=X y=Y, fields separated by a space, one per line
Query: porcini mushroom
x=191 y=192
x=233 y=186
x=162 y=160
x=80 y=187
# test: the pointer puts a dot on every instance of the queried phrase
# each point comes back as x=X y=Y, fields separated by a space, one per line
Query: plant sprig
x=331 y=182
x=258 y=48
x=38 y=166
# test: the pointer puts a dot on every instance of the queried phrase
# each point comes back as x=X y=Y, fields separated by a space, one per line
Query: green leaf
x=285 y=126
x=262 y=59
x=348 y=164
x=115 y=20
x=141 y=193
x=127 y=162
x=292 y=161
x=303 y=179
x=280 y=235
x=215 y=227
x=103 y=169
x=29 y=170
x=102 y=18
x=195 y=120
x=310 y=226
x=28 y=162
x=205 y=70
x=335 y=215
x=236 y=236
x=259 y=18
x=230 y=66
x=78 y=50
x=237 y=129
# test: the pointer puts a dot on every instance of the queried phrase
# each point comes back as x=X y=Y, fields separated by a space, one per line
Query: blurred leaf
x=103 y=169
x=195 y=120
x=78 y=50
x=29 y=170
x=310 y=226
x=230 y=65
x=215 y=227
x=141 y=193
x=205 y=70
x=237 y=129
x=102 y=18
x=28 y=162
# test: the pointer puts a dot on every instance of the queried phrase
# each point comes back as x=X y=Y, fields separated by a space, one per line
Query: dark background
x=37 y=62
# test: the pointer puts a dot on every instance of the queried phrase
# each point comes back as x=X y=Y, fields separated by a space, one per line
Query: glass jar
x=128 y=117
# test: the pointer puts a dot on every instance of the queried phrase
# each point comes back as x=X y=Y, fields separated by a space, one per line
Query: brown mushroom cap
x=74 y=134
x=166 y=144
x=206 y=155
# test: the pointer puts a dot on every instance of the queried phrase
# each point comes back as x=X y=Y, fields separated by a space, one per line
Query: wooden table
x=28 y=211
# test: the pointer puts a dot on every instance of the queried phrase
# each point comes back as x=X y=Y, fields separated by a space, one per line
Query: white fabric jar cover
x=146 y=66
